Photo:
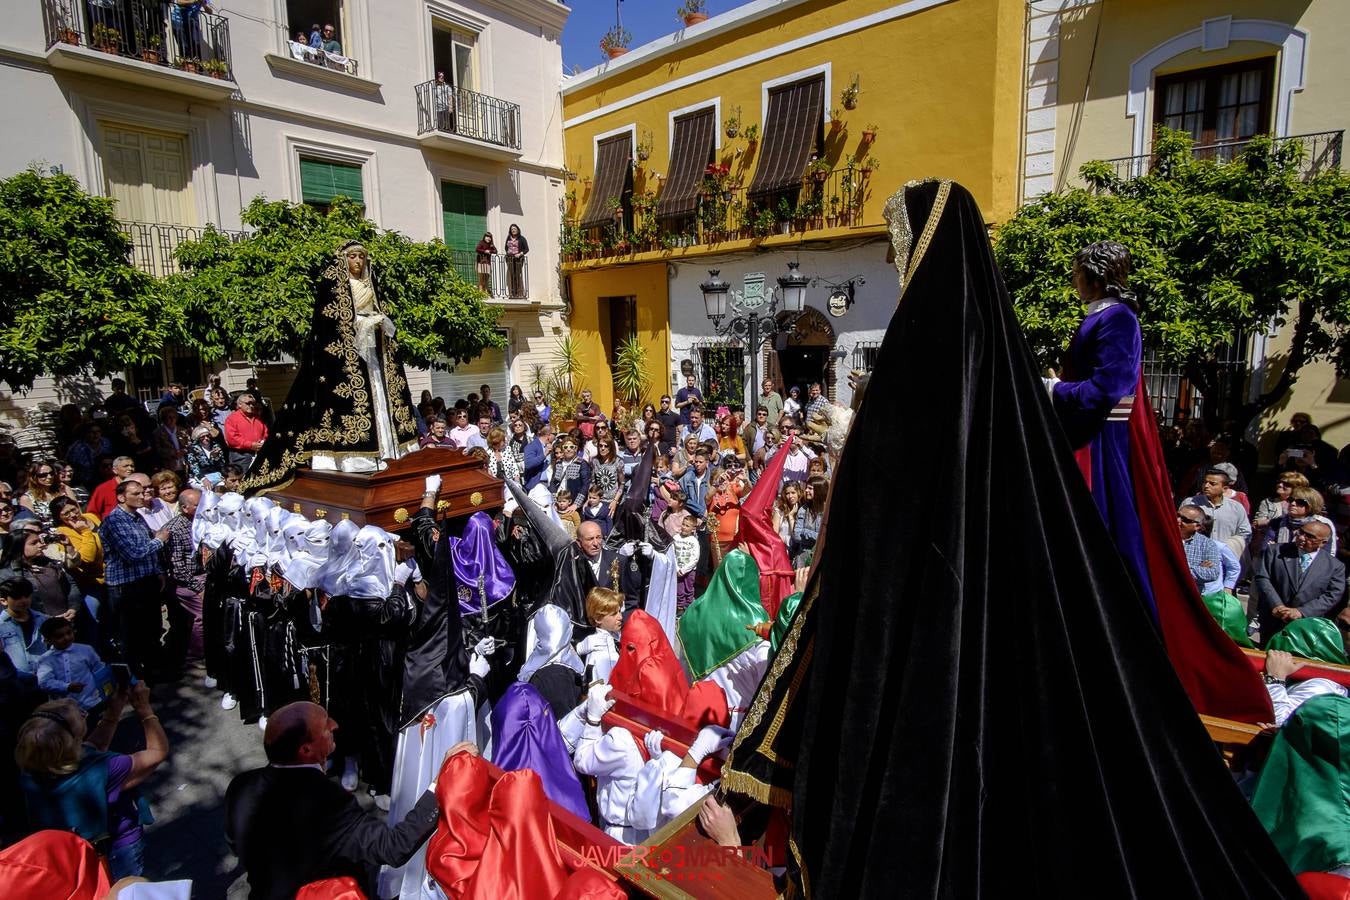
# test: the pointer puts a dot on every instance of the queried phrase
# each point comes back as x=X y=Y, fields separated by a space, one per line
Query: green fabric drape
x=1303 y=795
x=783 y=620
x=1227 y=611
x=713 y=630
x=1311 y=638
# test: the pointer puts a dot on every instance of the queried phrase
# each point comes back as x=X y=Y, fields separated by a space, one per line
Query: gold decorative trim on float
x=442 y=505
x=320 y=513
x=476 y=498
x=401 y=515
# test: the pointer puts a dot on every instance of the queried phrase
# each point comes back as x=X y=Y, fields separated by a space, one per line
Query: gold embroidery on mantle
x=360 y=423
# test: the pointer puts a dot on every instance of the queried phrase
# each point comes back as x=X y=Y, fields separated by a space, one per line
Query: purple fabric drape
x=475 y=556
x=525 y=736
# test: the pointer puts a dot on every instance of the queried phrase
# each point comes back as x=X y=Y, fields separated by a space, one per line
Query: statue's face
x=356 y=261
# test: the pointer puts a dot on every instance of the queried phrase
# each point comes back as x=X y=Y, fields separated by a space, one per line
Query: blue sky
x=646 y=19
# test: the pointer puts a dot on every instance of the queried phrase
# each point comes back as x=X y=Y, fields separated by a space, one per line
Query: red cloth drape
x=1325 y=886
x=648 y=671
x=1217 y=676
x=495 y=841
x=520 y=859
x=706 y=704
x=462 y=790
x=760 y=539
x=53 y=865
x=344 y=888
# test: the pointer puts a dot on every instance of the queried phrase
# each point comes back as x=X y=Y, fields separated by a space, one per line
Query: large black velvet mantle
x=972 y=700
x=329 y=406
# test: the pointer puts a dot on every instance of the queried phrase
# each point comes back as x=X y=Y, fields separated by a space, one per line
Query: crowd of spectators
x=102 y=577
x=96 y=555
x=1279 y=556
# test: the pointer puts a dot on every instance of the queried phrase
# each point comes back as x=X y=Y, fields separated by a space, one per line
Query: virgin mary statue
x=349 y=407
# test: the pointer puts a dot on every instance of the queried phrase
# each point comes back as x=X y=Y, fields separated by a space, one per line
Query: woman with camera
x=72 y=783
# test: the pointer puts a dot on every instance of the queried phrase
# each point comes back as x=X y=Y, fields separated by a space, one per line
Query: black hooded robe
x=975 y=702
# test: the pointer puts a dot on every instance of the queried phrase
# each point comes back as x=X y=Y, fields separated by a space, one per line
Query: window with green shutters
x=464 y=214
x=321 y=181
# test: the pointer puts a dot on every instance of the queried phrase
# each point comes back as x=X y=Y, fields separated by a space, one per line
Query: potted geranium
x=752 y=134
x=693 y=12
x=733 y=124
x=832 y=218
x=216 y=68
x=107 y=39
x=836 y=120
x=869 y=134
x=67 y=34
x=818 y=169
x=615 y=42
x=150 y=52
x=849 y=96
x=189 y=64
x=870 y=164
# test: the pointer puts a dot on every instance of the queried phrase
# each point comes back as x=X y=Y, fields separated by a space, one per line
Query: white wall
x=249 y=144
x=871 y=312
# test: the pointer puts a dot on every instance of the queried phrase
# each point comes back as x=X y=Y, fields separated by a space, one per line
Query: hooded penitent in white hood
x=372 y=568
x=332 y=575
x=302 y=569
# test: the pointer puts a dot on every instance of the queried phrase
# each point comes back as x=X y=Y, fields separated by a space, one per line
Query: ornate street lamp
x=751 y=321
x=716 y=292
x=792 y=287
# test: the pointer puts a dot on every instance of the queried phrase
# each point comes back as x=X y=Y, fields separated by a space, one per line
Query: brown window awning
x=613 y=164
x=690 y=151
x=791 y=134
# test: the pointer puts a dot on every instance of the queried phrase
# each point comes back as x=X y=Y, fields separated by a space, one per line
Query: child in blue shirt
x=71 y=670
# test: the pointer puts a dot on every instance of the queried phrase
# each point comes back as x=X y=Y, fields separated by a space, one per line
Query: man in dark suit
x=586 y=563
x=1298 y=579
x=537 y=456
x=290 y=825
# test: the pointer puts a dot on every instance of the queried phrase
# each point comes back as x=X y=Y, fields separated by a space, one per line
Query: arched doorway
x=803 y=356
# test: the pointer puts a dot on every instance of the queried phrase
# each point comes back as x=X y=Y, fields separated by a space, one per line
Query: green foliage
x=563 y=385
x=631 y=374
x=70 y=301
x=1219 y=249
x=254 y=298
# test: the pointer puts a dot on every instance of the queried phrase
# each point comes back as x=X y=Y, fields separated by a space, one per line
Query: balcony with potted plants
x=829 y=203
x=156 y=45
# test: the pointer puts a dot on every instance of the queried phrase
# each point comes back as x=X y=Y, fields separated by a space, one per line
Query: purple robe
x=484 y=577
x=525 y=736
x=1102 y=369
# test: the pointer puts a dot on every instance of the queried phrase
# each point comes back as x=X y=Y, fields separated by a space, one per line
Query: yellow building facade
x=810 y=114
x=1100 y=76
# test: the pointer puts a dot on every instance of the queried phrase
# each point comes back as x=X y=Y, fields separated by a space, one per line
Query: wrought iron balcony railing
x=152 y=31
x=153 y=244
x=1321 y=152
x=505 y=279
x=448 y=109
x=824 y=200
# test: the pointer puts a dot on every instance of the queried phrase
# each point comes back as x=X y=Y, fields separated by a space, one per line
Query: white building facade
x=442 y=117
